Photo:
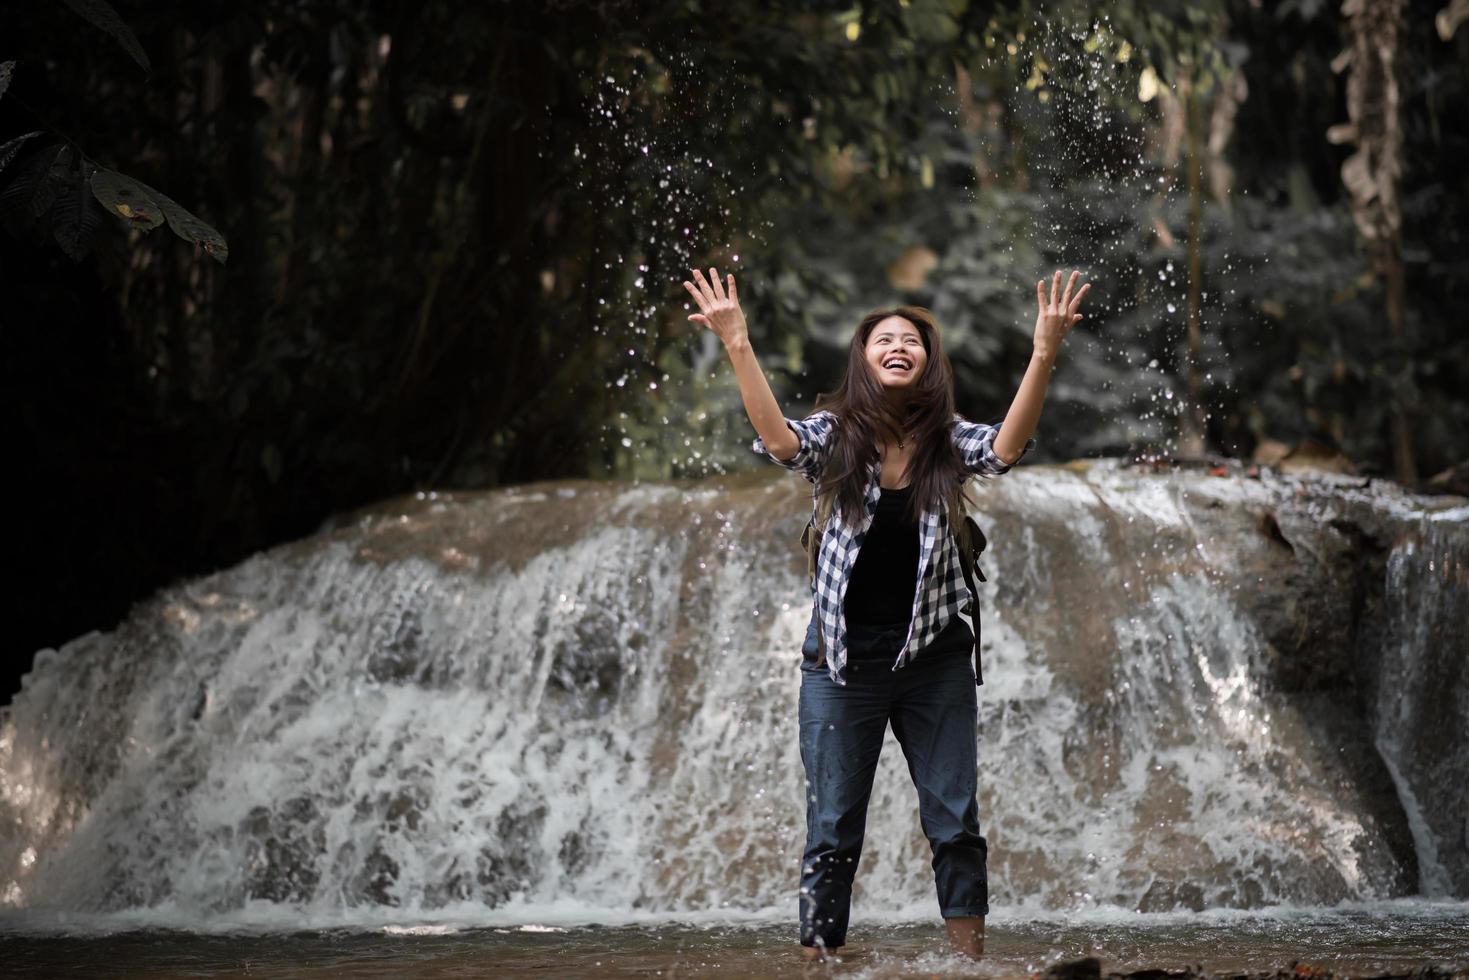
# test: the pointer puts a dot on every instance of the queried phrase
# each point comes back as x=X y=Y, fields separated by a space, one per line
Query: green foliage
x=101 y=15
x=53 y=190
x=141 y=206
x=1294 y=340
x=57 y=189
x=75 y=214
x=407 y=208
x=10 y=148
x=126 y=198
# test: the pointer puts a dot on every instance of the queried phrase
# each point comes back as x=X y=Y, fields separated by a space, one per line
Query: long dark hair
x=936 y=471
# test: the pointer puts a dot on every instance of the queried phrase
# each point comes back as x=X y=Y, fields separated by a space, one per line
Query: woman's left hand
x=1056 y=315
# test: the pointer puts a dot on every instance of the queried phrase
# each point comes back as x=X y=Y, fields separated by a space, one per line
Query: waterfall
x=1420 y=720
x=1200 y=691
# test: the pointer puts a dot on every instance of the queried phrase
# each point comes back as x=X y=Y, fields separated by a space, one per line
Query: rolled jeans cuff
x=965 y=913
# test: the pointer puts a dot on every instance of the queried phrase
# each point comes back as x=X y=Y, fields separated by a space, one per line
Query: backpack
x=969 y=538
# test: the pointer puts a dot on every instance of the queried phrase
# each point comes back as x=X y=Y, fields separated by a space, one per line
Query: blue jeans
x=932 y=705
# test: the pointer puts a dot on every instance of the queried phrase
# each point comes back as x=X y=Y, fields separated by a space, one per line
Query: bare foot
x=966 y=935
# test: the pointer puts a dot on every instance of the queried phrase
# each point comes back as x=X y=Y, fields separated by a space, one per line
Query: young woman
x=885 y=643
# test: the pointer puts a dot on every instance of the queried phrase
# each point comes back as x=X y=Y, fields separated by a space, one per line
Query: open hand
x=719 y=311
x=1056 y=315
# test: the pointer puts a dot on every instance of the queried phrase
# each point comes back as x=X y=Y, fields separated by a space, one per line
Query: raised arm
x=720 y=312
x=1055 y=316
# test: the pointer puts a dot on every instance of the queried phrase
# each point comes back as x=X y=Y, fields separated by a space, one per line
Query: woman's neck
x=898 y=401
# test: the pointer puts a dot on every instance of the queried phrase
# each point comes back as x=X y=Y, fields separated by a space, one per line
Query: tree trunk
x=1372 y=176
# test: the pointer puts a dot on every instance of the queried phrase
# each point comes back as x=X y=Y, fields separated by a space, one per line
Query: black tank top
x=879 y=600
x=880 y=591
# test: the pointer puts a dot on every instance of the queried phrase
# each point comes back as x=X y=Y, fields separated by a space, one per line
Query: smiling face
x=895 y=353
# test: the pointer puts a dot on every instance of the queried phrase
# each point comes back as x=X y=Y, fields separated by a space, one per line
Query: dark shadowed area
x=455 y=236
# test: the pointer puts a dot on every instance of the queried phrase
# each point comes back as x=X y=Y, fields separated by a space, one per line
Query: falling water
x=582 y=697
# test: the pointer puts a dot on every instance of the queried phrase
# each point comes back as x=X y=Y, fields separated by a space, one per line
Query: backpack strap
x=971 y=541
x=811 y=542
x=811 y=536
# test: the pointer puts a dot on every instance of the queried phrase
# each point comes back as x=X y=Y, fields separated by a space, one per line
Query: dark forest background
x=265 y=262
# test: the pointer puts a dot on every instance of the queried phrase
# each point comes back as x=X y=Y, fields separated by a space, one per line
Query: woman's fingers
x=705 y=288
x=701 y=319
x=698 y=296
x=1070 y=285
x=1061 y=301
x=710 y=293
x=1076 y=300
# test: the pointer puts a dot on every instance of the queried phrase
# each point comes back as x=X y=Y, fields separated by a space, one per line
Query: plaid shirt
x=941 y=592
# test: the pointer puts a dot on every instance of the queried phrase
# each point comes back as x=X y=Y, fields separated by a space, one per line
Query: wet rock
x=507 y=864
x=1166 y=896
x=586 y=666
x=282 y=848
x=376 y=879
x=1088 y=968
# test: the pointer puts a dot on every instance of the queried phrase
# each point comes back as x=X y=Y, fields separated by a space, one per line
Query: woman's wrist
x=1046 y=355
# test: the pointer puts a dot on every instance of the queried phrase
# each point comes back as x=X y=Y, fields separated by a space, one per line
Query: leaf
x=126 y=198
x=30 y=175
x=76 y=214
x=132 y=200
x=50 y=193
x=10 y=149
x=191 y=228
x=102 y=16
x=7 y=68
x=52 y=181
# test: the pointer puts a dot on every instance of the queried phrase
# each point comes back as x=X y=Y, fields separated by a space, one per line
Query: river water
x=1356 y=939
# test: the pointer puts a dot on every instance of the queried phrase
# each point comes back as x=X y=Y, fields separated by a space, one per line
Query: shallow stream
x=1360 y=940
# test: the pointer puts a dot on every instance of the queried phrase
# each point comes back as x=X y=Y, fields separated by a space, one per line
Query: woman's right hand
x=718 y=311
